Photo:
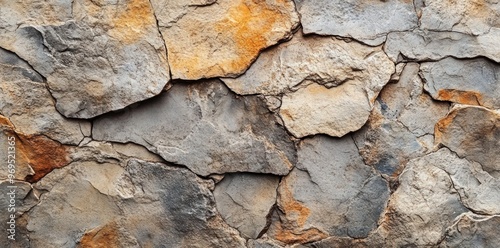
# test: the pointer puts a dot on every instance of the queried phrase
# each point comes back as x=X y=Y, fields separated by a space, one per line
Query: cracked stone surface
x=245 y=200
x=29 y=105
x=231 y=37
x=475 y=17
x=140 y=204
x=367 y=21
x=475 y=140
x=216 y=132
x=249 y=123
x=330 y=192
x=424 y=204
x=102 y=56
x=473 y=82
x=473 y=231
x=333 y=90
x=401 y=125
x=435 y=45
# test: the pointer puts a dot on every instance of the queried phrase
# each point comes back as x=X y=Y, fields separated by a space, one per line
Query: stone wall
x=250 y=123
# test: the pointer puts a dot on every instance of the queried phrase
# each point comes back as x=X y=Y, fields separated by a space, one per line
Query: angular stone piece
x=337 y=83
x=401 y=124
x=208 y=38
x=319 y=110
x=324 y=60
x=29 y=106
x=330 y=192
x=432 y=45
x=366 y=21
x=473 y=82
x=473 y=231
x=245 y=200
x=424 y=204
x=164 y=206
x=467 y=16
x=205 y=127
x=473 y=133
x=478 y=190
x=30 y=156
x=103 y=57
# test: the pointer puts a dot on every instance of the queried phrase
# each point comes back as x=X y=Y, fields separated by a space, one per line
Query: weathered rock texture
x=97 y=56
x=330 y=85
x=367 y=21
x=205 y=127
x=249 y=123
x=215 y=38
x=473 y=82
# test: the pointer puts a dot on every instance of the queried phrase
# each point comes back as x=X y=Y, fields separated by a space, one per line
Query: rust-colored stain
x=249 y=23
x=40 y=152
x=232 y=42
x=4 y=121
x=293 y=207
x=44 y=155
x=106 y=236
x=292 y=231
x=464 y=97
x=442 y=125
x=285 y=113
x=479 y=9
x=288 y=236
x=132 y=21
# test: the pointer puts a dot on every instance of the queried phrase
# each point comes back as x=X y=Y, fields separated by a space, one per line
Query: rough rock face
x=434 y=45
x=473 y=82
x=214 y=38
x=367 y=21
x=244 y=201
x=333 y=83
x=478 y=141
x=401 y=125
x=124 y=206
x=249 y=123
x=206 y=128
x=473 y=231
x=330 y=192
x=29 y=105
x=425 y=202
x=469 y=16
x=100 y=57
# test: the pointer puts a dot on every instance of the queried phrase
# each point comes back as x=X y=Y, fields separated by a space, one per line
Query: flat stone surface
x=467 y=16
x=206 y=128
x=97 y=58
x=473 y=133
x=208 y=38
x=164 y=206
x=245 y=200
x=473 y=82
x=433 y=45
x=330 y=192
x=367 y=21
